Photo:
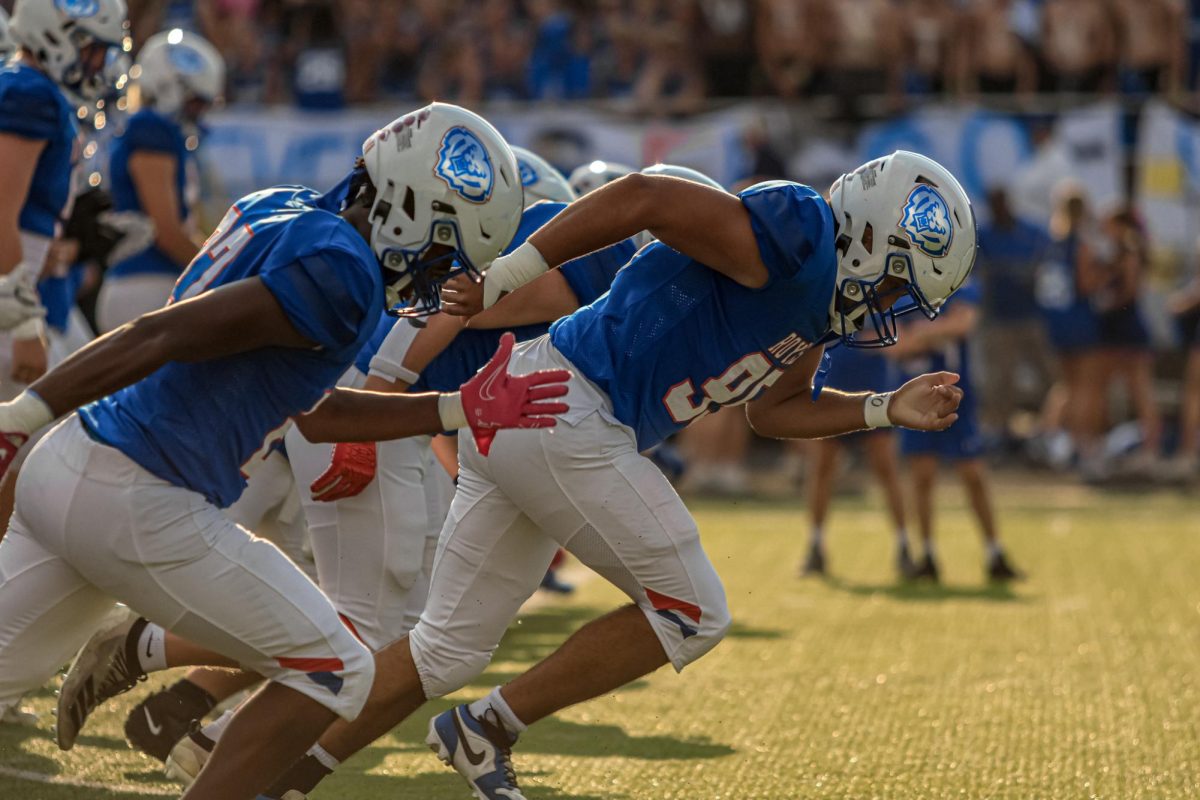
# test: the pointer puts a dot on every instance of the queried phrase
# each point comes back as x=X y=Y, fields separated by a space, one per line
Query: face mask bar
x=425 y=274
x=81 y=79
x=883 y=309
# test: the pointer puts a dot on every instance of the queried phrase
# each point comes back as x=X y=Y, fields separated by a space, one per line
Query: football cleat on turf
x=106 y=666
x=157 y=723
x=22 y=717
x=927 y=570
x=998 y=569
x=815 y=563
x=188 y=757
x=480 y=749
x=906 y=568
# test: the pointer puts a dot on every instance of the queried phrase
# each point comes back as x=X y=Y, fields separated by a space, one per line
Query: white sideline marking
x=116 y=788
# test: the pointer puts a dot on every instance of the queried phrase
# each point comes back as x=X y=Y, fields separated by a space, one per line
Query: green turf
x=1082 y=682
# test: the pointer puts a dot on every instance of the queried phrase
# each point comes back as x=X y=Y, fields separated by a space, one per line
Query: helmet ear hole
x=868 y=238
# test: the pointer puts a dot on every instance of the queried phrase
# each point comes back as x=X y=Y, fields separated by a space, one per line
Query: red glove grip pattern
x=351 y=470
x=494 y=399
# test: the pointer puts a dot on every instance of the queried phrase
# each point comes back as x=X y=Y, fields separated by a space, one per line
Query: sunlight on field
x=1081 y=682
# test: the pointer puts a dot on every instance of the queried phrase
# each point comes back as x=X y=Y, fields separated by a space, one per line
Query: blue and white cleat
x=479 y=748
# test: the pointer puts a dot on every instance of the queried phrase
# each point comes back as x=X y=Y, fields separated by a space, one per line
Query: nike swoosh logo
x=154 y=729
x=475 y=758
x=485 y=391
x=149 y=644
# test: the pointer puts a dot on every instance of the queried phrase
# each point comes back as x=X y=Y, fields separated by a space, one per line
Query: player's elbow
x=764 y=419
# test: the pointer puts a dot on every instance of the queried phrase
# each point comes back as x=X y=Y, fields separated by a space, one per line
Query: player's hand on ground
x=29 y=359
x=927 y=402
x=494 y=399
x=462 y=296
x=351 y=470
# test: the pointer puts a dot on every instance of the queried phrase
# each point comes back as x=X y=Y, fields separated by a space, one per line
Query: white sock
x=321 y=754
x=994 y=549
x=497 y=703
x=816 y=537
x=152 y=648
x=930 y=550
x=901 y=539
x=214 y=729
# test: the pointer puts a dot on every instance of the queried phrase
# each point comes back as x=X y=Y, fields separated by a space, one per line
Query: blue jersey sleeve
x=790 y=223
x=591 y=276
x=31 y=110
x=327 y=295
x=533 y=218
x=154 y=133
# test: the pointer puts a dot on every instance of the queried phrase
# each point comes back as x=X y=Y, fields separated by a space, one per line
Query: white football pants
x=92 y=527
x=582 y=486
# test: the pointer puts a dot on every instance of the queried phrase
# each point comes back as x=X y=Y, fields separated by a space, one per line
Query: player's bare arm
x=786 y=410
x=545 y=299
x=153 y=176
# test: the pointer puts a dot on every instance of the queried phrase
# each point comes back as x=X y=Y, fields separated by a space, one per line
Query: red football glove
x=10 y=444
x=351 y=470
x=494 y=399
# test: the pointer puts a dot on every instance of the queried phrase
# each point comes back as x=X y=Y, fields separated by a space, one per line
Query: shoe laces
x=502 y=740
x=119 y=678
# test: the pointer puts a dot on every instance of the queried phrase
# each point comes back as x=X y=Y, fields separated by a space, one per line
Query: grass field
x=1082 y=682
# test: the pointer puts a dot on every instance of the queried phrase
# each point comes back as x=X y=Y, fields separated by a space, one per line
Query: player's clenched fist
x=927 y=402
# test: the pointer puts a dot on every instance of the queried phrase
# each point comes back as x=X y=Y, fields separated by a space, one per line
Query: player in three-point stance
x=122 y=500
x=729 y=307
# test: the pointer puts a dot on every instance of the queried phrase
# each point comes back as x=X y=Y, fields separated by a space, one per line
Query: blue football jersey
x=196 y=424
x=589 y=277
x=147 y=131
x=674 y=340
x=32 y=107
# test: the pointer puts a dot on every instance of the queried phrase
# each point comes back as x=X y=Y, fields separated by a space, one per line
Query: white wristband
x=27 y=414
x=875 y=410
x=511 y=272
x=451 y=411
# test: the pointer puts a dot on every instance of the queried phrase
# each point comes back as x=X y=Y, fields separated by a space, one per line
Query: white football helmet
x=906 y=241
x=177 y=66
x=8 y=45
x=541 y=181
x=590 y=177
x=673 y=171
x=448 y=198
x=64 y=36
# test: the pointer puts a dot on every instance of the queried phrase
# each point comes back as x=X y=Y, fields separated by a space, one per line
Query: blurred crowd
x=670 y=56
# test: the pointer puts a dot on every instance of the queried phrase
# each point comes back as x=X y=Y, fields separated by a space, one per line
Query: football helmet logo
x=78 y=8
x=464 y=165
x=529 y=175
x=186 y=60
x=926 y=221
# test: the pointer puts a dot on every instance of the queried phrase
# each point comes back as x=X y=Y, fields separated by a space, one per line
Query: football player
x=944 y=344
x=63 y=49
x=122 y=500
x=179 y=77
x=729 y=307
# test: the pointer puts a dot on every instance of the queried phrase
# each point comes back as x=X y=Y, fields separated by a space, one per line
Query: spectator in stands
x=1152 y=45
x=992 y=57
x=1078 y=45
x=233 y=28
x=1014 y=341
x=1124 y=339
x=506 y=42
x=1067 y=278
x=671 y=79
x=789 y=50
x=365 y=41
x=725 y=42
x=558 y=67
x=316 y=54
x=862 y=44
x=930 y=34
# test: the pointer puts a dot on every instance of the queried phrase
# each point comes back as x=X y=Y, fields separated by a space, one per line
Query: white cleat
x=21 y=717
x=105 y=667
x=478 y=749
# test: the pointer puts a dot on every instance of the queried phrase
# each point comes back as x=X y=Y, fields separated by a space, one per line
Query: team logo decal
x=78 y=8
x=185 y=59
x=529 y=175
x=926 y=221
x=464 y=165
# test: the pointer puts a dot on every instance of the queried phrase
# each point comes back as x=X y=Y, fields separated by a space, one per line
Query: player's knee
x=443 y=666
x=358 y=676
x=689 y=632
